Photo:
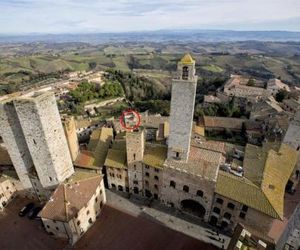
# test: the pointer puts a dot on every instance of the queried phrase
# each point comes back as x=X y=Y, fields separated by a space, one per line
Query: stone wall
x=117 y=178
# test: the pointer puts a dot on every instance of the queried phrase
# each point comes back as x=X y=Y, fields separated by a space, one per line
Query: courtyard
x=115 y=229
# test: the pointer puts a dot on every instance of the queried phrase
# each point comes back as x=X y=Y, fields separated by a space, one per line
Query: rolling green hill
x=28 y=64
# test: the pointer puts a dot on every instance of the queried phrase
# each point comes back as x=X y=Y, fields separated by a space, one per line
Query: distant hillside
x=158 y=36
x=33 y=64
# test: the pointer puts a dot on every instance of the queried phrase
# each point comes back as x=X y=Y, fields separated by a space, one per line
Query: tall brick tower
x=182 y=109
x=43 y=131
x=71 y=135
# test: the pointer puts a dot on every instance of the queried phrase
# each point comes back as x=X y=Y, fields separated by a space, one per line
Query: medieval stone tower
x=135 y=145
x=45 y=138
x=13 y=137
x=71 y=135
x=182 y=109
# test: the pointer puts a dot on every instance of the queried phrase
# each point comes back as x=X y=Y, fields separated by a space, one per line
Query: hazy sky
x=71 y=16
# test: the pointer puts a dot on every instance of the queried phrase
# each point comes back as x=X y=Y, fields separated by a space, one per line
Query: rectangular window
x=244 y=208
x=242 y=215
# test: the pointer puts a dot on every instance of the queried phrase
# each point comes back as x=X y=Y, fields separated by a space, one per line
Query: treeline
x=154 y=106
x=230 y=109
x=208 y=85
x=88 y=91
x=138 y=88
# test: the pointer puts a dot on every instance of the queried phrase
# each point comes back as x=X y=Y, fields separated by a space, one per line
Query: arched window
x=185 y=188
x=172 y=184
x=185 y=73
x=156 y=177
x=227 y=216
x=216 y=210
x=200 y=193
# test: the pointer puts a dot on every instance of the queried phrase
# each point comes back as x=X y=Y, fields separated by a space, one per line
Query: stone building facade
x=190 y=186
x=69 y=214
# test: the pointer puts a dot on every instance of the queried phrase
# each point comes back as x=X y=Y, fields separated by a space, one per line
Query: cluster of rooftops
x=266 y=169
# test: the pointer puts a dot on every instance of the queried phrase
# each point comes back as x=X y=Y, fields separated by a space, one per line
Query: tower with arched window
x=182 y=109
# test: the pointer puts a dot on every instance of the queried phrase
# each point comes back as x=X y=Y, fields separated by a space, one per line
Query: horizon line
x=143 y=31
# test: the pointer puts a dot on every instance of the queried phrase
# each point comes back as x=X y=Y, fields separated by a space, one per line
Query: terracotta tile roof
x=155 y=155
x=99 y=144
x=116 y=158
x=242 y=190
x=153 y=120
x=119 y=145
x=278 y=169
x=71 y=196
x=201 y=162
x=94 y=139
x=266 y=173
x=277 y=83
x=223 y=122
x=85 y=159
x=254 y=161
x=215 y=146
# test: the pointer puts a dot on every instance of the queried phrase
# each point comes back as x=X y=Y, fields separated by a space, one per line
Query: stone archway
x=193 y=207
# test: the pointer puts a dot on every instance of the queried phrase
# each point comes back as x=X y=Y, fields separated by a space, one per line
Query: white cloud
x=48 y=16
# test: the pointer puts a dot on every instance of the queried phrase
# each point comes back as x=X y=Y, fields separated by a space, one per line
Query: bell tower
x=182 y=109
